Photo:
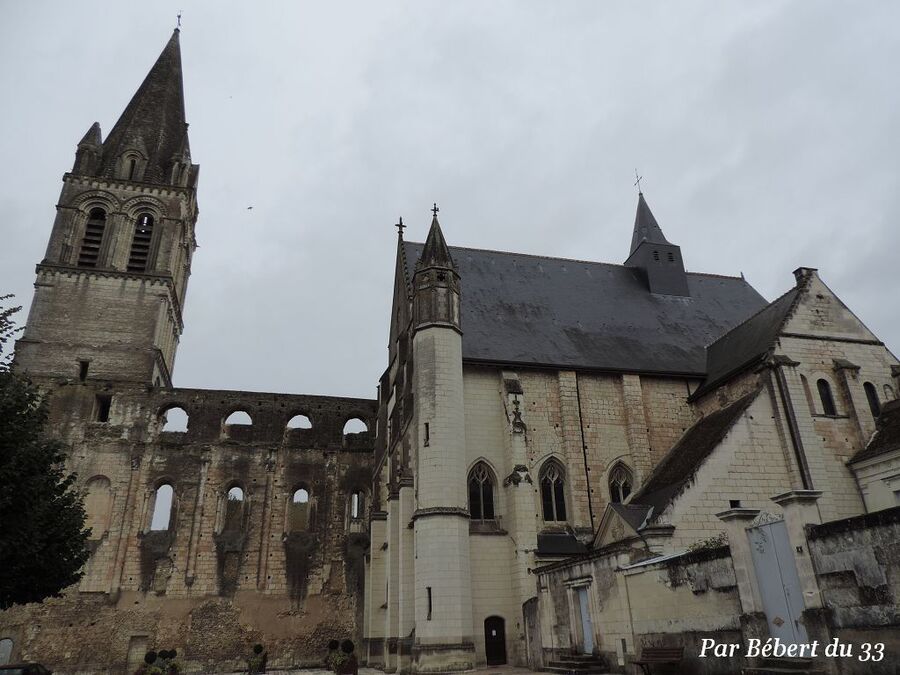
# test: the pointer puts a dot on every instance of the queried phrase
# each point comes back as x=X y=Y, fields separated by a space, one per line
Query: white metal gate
x=779 y=583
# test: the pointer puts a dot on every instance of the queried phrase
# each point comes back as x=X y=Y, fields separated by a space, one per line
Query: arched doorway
x=494 y=641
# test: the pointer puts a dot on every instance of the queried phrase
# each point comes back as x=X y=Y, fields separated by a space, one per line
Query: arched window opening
x=553 y=495
x=97 y=506
x=656 y=256
x=89 y=255
x=6 y=646
x=826 y=397
x=234 y=510
x=872 y=396
x=132 y=165
x=670 y=256
x=299 y=422
x=162 y=508
x=238 y=418
x=138 y=259
x=299 y=517
x=620 y=484
x=175 y=419
x=357 y=504
x=481 y=493
x=355 y=426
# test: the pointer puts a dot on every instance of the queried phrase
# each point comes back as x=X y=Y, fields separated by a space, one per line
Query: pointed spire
x=435 y=253
x=93 y=137
x=645 y=226
x=154 y=120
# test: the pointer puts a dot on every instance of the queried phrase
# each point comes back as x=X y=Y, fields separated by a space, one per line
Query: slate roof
x=887 y=434
x=154 y=120
x=748 y=342
x=645 y=226
x=633 y=514
x=533 y=310
x=683 y=460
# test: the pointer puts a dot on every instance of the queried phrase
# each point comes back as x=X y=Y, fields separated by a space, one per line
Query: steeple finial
x=638 y=181
x=435 y=209
x=178 y=27
x=400 y=227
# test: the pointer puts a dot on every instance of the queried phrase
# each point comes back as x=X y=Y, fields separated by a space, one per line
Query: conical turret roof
x=435 y=253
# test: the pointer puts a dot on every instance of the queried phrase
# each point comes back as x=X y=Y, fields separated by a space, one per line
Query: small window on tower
x=83 y=370
x=671 y=256
x=139 y=257
x=656 y=256
x=101 y=407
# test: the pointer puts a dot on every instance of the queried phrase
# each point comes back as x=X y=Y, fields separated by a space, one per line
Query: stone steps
x=577 y=664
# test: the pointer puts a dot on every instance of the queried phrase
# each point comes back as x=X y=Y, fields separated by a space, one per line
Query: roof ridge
x=574 y=260
x=754 y=315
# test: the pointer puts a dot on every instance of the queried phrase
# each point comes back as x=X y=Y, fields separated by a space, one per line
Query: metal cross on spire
x=435 y=209
x=400 y=226
x=638 y=181
x=179 y=19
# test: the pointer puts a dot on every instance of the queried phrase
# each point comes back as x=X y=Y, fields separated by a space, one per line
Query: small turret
x=88 y=154
x=435 y=282
x=659 y=260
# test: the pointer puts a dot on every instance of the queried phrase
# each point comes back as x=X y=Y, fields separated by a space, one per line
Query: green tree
x=42 y=535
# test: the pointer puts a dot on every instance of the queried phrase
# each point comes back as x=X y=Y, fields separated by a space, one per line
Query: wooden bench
x=660 y=655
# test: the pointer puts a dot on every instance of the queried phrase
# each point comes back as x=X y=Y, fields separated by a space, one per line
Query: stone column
x=800 y=509
x=736 y=522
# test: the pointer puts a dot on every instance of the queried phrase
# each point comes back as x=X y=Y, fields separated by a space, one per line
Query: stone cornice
x=441 y=511
x=100 y=182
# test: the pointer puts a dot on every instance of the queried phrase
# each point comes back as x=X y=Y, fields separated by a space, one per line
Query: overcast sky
x=767 y=134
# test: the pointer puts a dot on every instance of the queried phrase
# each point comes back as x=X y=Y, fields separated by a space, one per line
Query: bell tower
x=110 y=290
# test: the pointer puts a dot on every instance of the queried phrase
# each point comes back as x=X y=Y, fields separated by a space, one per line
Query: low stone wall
x=857 y=565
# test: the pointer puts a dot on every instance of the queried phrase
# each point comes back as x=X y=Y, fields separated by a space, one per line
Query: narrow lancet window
x=89 y=255
x=138 y=259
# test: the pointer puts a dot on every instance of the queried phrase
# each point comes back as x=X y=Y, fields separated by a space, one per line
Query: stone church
x=546 y=432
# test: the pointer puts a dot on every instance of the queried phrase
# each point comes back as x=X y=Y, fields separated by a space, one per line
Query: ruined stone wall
x=224 y=575
x=673 y=602
x=857 y=565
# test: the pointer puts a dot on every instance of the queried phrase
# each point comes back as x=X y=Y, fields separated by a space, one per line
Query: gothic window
x=553 y=492
x=162 y=508
x=89 y=255
x=234 y=510
x=620 y=483
x=299 y=513
x=138 y=259
x=826 y=397
x=872 y=396
x=481 y=493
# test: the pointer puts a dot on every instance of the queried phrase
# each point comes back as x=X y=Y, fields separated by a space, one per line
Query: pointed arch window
x=162 y=508
x=872 y=396
x=553 y=492
x=620 y=484
x=826 y=397
x=89 y=255
x=139 y=257
x=481 y=493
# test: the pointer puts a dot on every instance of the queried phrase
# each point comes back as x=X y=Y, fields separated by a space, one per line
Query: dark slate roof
x=531 y=310
x=681 y=462
x=154 y=121
x=747 y=343
x=887 y=433
x=645 y=226
x=558 y=543
x=633 y=514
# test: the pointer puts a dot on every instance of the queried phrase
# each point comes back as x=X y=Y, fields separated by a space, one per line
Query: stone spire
x=645 y=226
x=93 y=138
x=153 y=124
x=435 y=253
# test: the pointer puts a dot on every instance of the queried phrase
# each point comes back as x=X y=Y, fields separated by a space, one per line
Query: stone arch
x=299 y=420
x=355 y=424
x=826 y=396
x=162 y=506
x=88 y=200
x=300 y=509
x=173 y=417
x=234 y=507
x=144 y=203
